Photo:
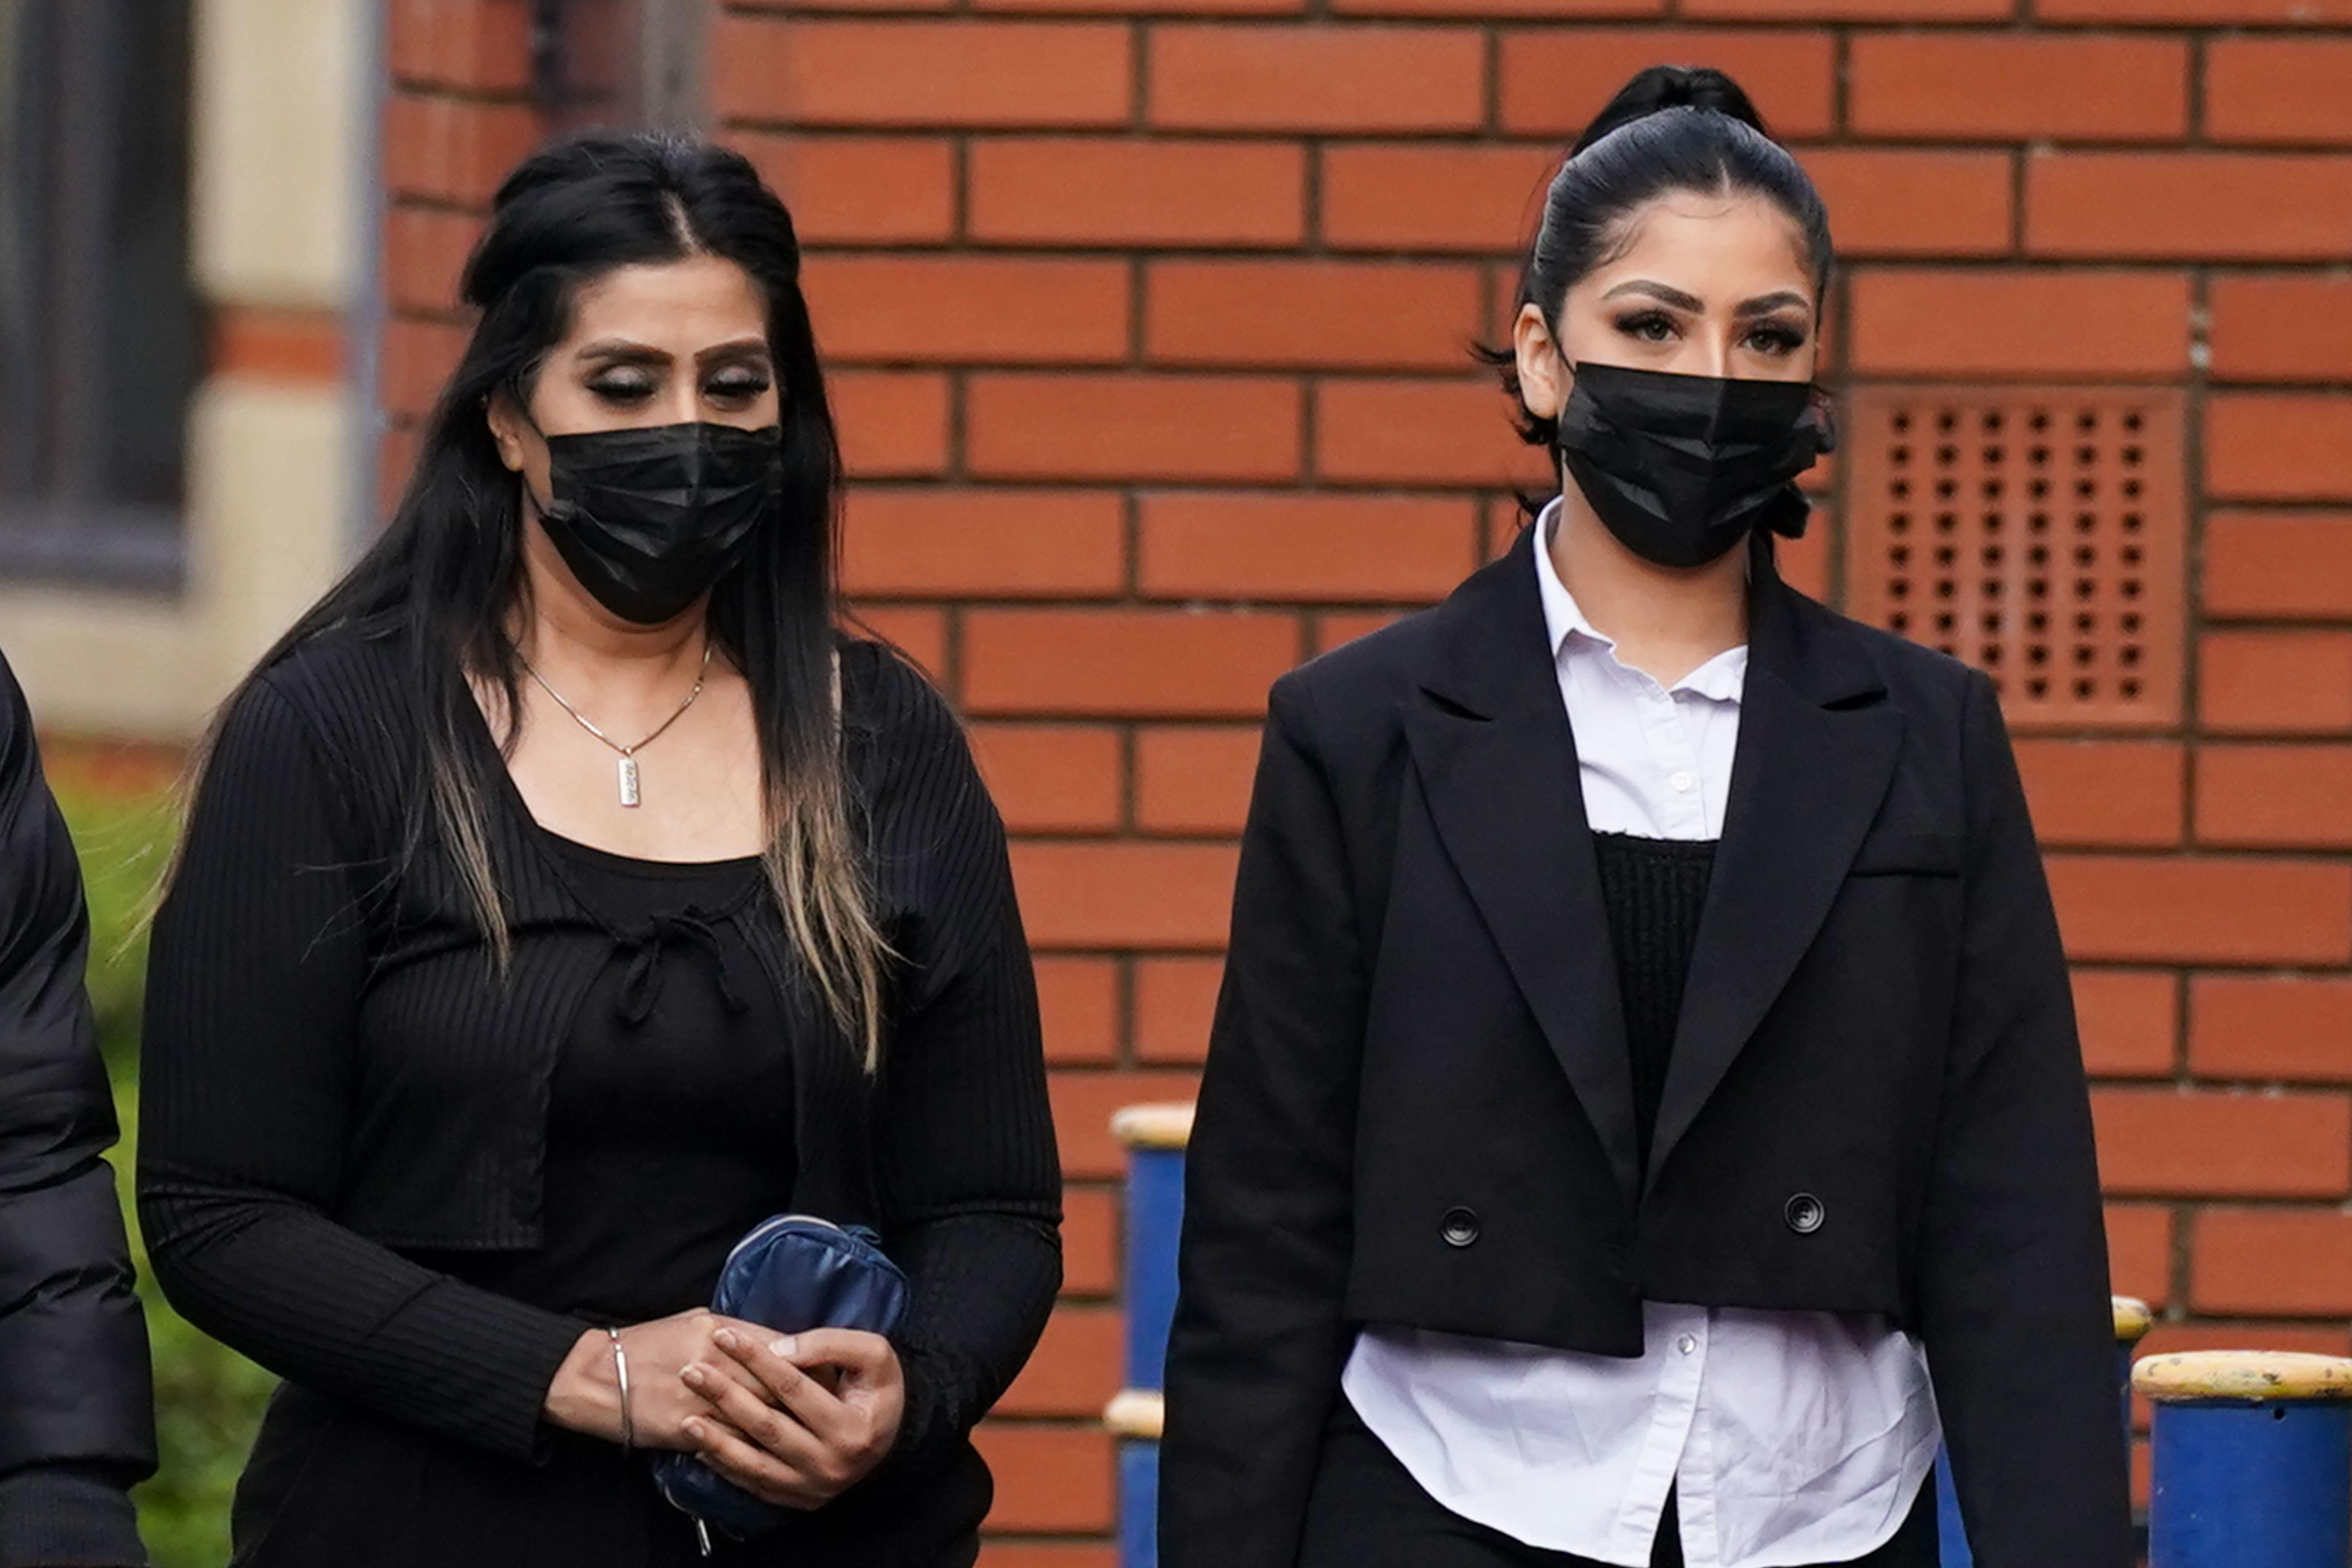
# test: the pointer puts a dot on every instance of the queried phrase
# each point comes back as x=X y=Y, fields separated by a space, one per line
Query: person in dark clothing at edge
x=1643 y=1113
x=77 y=1408
x=566 y=894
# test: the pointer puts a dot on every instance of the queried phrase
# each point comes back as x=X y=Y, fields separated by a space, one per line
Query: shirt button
x=1681 y=783
x=1460 y=1227
x=1686 y=1344
x=1804 y=1213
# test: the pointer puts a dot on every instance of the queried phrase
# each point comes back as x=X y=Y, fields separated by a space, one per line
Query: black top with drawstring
x=408 y=1182
x=664 y=1115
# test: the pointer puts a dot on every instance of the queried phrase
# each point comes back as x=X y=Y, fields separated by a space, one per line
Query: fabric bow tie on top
x=646 y=945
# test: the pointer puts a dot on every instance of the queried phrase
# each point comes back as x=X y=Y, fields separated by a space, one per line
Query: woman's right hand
x=586 y=1394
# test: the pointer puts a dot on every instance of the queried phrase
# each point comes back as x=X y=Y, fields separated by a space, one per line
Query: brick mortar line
x=2281 y=623
x=960 y=191
x=1842 y=81
x=1127 y=1005
x=2329 y=1204
x=1313 y=240
x=1490 y=67
x=464 y=93
x=1139 y=66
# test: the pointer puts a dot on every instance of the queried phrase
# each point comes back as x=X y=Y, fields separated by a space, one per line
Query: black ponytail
x=1672 y=128
x=1658 y=87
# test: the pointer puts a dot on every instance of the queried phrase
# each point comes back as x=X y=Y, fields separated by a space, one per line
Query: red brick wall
x=1148 y=321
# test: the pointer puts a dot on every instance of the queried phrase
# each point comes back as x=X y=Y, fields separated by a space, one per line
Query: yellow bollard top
x=2255 y=1375
x=1136 y=1413
x=1153 y=1126
x=2132 y=1320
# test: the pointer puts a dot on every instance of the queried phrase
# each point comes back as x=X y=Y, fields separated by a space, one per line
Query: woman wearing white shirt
x=1645 y=1084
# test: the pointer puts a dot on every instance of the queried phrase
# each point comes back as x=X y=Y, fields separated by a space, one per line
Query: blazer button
x=1804 y=1213
x=1461 y=1227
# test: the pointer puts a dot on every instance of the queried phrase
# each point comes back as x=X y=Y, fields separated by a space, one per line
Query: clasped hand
x=794 y=1420
x=827 y=1413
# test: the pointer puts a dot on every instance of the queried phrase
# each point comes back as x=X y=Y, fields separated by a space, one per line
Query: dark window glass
x=98 y=323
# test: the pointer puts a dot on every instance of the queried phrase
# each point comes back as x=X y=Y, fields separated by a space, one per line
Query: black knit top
x=1654 y=891
x=670 y=1114
x=339 y=1091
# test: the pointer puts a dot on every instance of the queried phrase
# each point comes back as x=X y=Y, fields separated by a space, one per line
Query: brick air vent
x=2033 y=532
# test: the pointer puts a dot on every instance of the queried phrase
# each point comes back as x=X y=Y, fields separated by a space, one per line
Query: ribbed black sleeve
x=248 y=1097
x=76 y=1414
x=969 y=1173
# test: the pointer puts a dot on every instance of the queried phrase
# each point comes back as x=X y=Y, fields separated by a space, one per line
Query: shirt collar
x=1722 y=677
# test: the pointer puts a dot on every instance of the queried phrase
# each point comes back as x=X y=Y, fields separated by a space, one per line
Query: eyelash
x=727 y=387
x=1638 y=325
x=1769 y=338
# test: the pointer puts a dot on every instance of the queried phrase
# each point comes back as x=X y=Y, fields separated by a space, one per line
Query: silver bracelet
x=621 y=1372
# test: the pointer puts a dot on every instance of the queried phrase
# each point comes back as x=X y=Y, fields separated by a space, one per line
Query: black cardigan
x=290 y=1159
x=76 y=1422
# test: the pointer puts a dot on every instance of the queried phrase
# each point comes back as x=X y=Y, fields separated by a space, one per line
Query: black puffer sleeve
x=77 y=1421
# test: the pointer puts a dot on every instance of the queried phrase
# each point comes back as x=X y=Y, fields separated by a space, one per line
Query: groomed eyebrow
x=740 y=348
x=1660 y=293
x=621 y=351
x=1764 y=304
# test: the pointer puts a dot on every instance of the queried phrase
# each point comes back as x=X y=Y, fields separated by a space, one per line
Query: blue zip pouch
x=791 y=1273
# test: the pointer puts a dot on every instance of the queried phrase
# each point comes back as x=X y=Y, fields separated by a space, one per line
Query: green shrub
x=207 y=1397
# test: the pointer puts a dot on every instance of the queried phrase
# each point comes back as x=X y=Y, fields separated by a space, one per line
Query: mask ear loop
x=1558 y=450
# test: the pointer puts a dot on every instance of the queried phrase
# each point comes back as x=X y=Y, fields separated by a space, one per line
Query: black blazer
x=1418 y=1109
x=77 y=1416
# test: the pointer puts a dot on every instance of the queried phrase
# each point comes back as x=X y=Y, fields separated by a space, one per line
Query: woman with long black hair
x=1643 y=1112
x=563 y=896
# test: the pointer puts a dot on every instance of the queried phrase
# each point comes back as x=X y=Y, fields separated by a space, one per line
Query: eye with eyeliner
x=739 y=385
x=1776 y=338
x=626 y=387
x=1648 y=326
x=622 y=389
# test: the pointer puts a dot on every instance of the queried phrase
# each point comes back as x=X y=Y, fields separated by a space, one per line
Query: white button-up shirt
x=1789 y=1438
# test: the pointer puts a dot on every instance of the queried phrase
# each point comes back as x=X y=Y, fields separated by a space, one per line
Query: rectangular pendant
x=628 y=781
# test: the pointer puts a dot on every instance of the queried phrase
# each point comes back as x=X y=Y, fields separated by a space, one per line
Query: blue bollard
x=1155 y=1136
x=1134 y=1418
x=2253 y=1459
x=2132 y=1321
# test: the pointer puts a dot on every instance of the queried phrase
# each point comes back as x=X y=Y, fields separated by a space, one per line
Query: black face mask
x=648 y=520
x=1683 y=467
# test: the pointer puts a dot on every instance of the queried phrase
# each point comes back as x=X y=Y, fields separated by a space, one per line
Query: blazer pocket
x=1908 y=855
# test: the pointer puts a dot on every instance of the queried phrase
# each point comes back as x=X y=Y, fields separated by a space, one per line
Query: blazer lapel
x=1492 y=748
x=1818 y=743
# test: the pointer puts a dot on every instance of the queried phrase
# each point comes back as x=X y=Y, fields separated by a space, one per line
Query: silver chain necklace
x=630 y=794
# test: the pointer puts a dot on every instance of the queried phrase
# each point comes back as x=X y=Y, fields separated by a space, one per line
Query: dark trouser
x=1367 y=1512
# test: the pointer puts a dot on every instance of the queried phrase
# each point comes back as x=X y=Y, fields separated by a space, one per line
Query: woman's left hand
x=823 y=1434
